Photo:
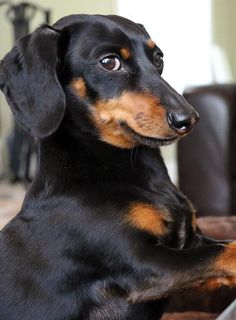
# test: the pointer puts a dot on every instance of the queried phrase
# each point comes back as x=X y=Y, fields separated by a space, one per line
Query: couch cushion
x=190 y=316
x=218 y=227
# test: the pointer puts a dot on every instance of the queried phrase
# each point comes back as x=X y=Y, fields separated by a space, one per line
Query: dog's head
x=105 y=71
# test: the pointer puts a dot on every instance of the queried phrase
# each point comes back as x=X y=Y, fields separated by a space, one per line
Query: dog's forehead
x=108 y=20
x=103 y=24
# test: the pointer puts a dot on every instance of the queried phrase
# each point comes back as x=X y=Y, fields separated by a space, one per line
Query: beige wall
x=58 y=9
x=5 y=45
x=224 y=29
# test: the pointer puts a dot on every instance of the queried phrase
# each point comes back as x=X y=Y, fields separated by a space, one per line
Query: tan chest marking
x=148 y=218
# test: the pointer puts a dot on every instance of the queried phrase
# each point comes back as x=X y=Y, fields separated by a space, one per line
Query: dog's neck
x=66 y=165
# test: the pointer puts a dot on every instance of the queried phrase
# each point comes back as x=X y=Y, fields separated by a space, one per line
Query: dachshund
x=103 y=234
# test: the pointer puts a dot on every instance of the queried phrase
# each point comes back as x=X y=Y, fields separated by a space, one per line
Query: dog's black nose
x=182 y=122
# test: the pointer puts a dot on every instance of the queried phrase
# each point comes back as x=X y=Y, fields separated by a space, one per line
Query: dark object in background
x=21 y=145
x=207 y=158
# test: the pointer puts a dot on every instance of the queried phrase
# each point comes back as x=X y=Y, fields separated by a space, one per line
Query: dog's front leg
x=170 y=269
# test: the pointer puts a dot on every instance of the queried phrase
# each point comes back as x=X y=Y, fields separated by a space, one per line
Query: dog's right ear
x=28 y=78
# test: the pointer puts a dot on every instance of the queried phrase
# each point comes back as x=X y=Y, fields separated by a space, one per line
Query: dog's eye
x=158 y=61
x=111 y=63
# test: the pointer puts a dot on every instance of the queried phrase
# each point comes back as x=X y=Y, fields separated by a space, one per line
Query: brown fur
x=214 y=283
x=148 y=218
x=226 y=261
x=151 y=44
x=79 y=86
x=140 y=111
x=125 y=53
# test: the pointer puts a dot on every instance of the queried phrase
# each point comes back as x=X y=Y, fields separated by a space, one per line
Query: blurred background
x=199 y=45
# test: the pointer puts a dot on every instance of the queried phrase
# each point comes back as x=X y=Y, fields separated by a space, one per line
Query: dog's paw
x=226 y=262
x=215 y=283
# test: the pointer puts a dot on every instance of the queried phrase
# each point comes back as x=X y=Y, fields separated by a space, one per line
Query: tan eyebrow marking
x=151 y=44
x=125 y=53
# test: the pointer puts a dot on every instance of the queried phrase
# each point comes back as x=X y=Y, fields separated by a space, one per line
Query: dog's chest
x=171 y=221
x=149 y=218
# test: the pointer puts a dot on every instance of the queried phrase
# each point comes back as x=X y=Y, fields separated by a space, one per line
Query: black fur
x=68 y=254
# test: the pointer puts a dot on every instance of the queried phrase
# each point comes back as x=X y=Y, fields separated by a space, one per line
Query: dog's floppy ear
x=28 y=78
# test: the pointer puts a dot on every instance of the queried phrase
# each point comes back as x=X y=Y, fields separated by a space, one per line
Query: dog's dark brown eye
x=158 y=61
x=111 y=63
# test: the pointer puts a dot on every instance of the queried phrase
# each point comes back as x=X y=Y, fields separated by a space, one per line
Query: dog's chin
x=147 y=141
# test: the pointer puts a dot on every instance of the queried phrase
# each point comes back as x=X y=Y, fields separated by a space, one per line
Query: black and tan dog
x=102 y=233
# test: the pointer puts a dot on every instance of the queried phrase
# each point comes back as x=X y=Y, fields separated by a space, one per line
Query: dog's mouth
x=148 y=141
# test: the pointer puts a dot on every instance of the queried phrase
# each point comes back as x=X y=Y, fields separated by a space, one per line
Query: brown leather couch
x=207 y=175
x=207 y=157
